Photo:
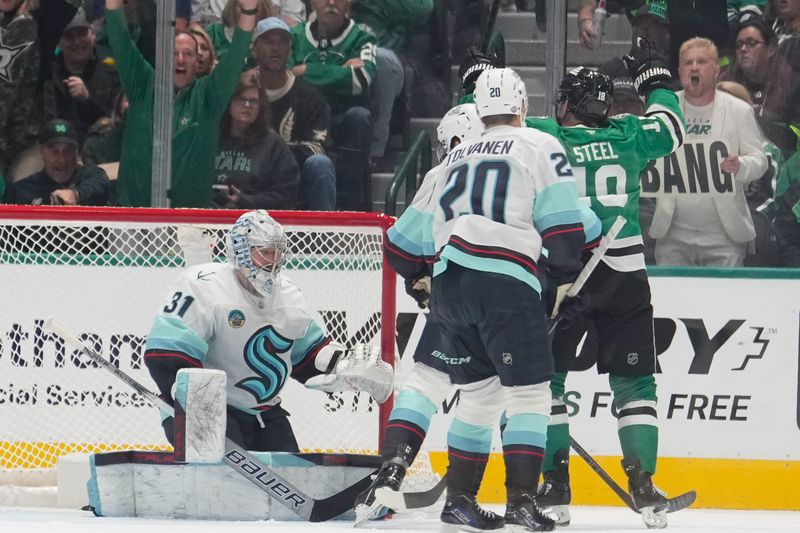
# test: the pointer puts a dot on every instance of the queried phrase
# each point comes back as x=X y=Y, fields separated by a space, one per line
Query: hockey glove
x=472 y=66
x=419 y=288
x=573 y=307
x=360 y=369
x=648 y=67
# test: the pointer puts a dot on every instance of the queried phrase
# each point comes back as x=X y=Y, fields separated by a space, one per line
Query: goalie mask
x=257 y=247
x=460 y=123
x=500 y=91
x=587 y=94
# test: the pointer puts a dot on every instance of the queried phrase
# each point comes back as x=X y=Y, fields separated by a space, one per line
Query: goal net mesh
x=104 y=277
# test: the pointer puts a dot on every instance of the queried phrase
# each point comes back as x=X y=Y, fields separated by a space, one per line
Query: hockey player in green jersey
x=607 y=155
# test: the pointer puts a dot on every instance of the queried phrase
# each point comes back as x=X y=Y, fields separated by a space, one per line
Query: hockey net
x=104 y=273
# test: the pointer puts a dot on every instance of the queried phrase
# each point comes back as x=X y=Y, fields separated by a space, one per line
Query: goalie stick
x=402 y=501
x=235 y=456
x=673 y=504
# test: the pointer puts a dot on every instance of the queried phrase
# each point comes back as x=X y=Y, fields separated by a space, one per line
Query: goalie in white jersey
x=247 y=318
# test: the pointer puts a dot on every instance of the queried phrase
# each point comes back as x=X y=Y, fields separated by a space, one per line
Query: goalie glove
x=359 y=369
x=419 y=288
x=648 y=67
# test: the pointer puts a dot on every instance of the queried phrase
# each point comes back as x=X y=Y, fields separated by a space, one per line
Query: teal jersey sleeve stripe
x=470 y=438
x=551 y=201
x=517 y=431
x=413 y=233
x=302 y=346
x=485 y=264
x=592 y=226
x=171 y=334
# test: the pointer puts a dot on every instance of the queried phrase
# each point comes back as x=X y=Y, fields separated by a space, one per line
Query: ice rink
x=594 y=519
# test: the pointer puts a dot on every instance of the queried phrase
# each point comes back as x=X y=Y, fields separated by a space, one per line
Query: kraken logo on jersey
x=262 y=354
x=236 y=318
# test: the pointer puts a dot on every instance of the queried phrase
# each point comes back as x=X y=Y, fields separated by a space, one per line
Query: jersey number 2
x=458 y=181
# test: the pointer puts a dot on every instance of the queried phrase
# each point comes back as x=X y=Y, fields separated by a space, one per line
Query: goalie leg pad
x=200 y=406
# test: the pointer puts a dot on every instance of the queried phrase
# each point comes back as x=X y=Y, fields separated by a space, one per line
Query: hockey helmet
x=461 y=122
x=500 y=91
x=587 y=93
x=257 y=247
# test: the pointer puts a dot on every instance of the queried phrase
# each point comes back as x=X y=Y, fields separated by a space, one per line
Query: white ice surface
x=594 y=519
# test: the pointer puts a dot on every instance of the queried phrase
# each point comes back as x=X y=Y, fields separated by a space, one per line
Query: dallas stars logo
x=9 y=54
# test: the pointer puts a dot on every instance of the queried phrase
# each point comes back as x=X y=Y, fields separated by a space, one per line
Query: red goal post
x=104 y=273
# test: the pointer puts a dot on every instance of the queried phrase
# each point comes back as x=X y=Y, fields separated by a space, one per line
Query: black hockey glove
x=573 y=308
x=419 y=288
x=472 y=66
x=648 y=67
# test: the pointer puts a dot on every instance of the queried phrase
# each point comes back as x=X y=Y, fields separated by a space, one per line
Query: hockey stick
x=588 y=268
x=403 y=501
x=673 y=504
x=487 y=35
x=235 y=456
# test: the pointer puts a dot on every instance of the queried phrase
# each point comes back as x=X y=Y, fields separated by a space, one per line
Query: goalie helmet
x=257 y=247
x=587 y=94
x=461 y=122
x=500 y=91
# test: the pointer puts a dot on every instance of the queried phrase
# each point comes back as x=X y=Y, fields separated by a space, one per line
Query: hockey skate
x=390 y=475
x=554 y=494
x=523 y=515
x=464 y=512
x=648 y=499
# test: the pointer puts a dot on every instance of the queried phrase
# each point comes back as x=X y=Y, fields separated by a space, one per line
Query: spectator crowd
x=287 y=104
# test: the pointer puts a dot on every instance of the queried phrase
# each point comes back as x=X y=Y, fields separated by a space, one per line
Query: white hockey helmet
x=254 y=234
x=500 y=91
x=461 y=122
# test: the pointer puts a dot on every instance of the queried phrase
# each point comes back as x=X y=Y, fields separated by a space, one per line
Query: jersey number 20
x=489 y=179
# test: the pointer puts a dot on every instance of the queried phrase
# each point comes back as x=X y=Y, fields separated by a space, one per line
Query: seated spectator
x=787 y=213
x=787 y=18
x=336 y=55
x=254 y=167
x=206 y=56
x=770 y=79
x=299 y=113
x=703 y=219
x=62 y=181
x=221 y=33
x=84 y=84
x=198 y=106
x=29 y=40
x=392 y=22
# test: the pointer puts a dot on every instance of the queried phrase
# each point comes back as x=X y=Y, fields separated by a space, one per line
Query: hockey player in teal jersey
x=607 y=155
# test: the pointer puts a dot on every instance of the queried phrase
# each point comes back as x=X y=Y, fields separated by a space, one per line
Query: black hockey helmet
x=587 y=93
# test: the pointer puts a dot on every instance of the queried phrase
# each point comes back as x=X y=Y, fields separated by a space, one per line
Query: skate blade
x=654 y=519
x=366 y=512
x=558 y=512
